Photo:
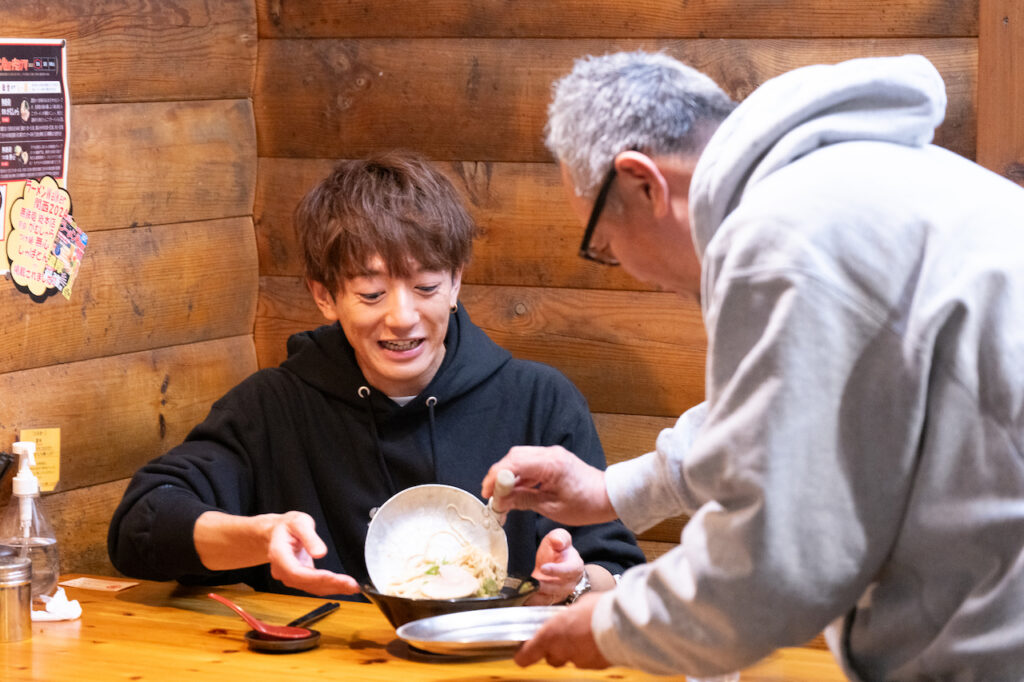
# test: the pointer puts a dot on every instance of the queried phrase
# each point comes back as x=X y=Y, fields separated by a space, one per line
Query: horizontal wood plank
x=653 y=549
x=80 y=519
x=601 y=18
x=116 y=413
x=530 y=235
x=139 y=51
x=669 y=530
x=628 y=352
x=138 y=289
x=625 y=436
x=163 y=162
x=285 y=307
x=486 y=100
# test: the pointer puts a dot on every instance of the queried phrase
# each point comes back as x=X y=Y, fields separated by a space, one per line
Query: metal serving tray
x=489 y=632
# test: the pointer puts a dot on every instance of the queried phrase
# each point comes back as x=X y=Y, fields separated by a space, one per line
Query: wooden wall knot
x=476 y=180
x=274 y=10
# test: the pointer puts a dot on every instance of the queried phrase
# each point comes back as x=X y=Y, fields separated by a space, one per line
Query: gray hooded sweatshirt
x=858 y=459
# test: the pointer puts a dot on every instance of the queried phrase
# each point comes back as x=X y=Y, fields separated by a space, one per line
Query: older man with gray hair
x=858 y=462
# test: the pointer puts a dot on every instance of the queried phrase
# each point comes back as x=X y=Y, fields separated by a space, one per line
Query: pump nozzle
x=25 y=485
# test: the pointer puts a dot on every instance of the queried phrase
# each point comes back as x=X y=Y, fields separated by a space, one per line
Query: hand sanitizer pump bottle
x=24 y=531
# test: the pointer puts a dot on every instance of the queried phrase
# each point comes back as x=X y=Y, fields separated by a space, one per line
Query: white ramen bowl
x=416 y=522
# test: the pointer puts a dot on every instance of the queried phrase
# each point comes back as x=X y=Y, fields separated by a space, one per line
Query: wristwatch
x=582 y=587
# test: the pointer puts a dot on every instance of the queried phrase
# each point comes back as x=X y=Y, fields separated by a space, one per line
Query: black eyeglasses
x=586 y=250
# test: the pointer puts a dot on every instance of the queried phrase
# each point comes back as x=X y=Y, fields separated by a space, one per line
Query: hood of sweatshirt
x=900 y=100
x=325 y=359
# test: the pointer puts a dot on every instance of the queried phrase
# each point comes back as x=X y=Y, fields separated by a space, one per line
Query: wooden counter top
x=161 y=631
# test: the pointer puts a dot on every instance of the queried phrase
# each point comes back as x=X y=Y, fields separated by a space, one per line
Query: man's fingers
x=528 y=499
x=294 y=542
x=560 y=539
x=565 y=637
x=569 y=571
x=540 y=645
x=555 y=660
x=284 y=555
x=529 y=653
x=326 y=582
x=532 y=466
x=319 y=581
x=303 y=528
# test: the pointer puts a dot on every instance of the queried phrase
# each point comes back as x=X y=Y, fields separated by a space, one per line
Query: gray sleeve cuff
x=641 y=497
x=650 y=488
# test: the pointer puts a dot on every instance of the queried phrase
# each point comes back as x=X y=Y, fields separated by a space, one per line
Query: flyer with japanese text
x=40 y=244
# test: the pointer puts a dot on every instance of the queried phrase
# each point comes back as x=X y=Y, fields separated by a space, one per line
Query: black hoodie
x=312 y=435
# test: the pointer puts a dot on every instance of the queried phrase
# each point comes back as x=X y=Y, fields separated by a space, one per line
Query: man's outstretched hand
x=554 y=483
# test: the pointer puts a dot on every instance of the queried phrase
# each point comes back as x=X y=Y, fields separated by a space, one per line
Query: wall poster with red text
x=35 y=113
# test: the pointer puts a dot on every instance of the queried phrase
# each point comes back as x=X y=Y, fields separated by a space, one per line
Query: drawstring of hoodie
x=431 y=401
x=364 y=392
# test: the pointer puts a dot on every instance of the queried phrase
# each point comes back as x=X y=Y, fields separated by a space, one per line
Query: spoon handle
x=502 y=487
x=253 y=623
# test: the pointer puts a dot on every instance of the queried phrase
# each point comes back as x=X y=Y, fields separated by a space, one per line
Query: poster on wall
x=40 y=243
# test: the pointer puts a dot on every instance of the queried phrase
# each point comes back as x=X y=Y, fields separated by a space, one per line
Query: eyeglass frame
x=587 y=252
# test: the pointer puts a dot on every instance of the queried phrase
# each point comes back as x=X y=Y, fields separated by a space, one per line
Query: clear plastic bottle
x=24 y=531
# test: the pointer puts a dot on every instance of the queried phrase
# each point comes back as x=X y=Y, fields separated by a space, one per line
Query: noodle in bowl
x=469 y=572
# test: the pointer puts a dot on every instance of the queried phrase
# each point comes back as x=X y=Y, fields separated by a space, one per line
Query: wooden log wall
x=197 y=125
x=468 y=84
x=1000 y=89
x=162 y=175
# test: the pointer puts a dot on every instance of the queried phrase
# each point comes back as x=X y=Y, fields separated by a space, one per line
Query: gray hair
x=645 y=101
